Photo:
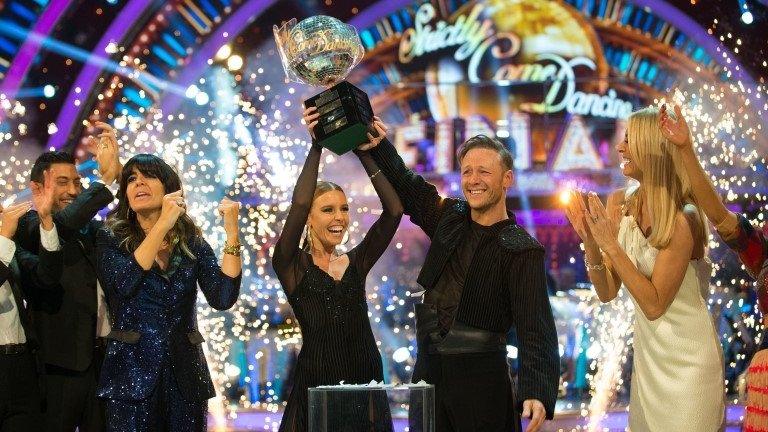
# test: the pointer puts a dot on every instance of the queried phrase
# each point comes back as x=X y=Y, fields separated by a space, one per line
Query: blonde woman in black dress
x=326 y=289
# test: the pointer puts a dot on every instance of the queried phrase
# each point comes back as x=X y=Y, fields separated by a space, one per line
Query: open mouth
x=625 y=162
x=475 y=191
x=336 y=229
x=141 y=195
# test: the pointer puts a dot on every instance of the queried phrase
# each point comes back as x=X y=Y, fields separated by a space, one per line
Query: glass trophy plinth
x=372 y=408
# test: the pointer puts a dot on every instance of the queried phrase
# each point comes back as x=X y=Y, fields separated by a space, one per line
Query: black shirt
x=505 y=283
x=446 y=294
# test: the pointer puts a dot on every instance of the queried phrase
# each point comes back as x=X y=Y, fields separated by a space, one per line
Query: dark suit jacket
x=65 y=318
x=154 y=318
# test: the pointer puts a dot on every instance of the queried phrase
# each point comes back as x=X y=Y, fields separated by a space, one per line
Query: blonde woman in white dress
x=651 y=241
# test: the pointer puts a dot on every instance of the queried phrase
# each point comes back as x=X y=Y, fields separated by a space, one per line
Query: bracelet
x=596 y=267
x=233 y=249
x=374 y=174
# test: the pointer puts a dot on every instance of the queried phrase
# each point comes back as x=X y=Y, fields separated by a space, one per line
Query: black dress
x=338 y=344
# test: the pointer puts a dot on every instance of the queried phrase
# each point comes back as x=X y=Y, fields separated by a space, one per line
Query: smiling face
x=484 y=179
x=66 y=184
x=144 y=193
x=329 y=218
x=629 y=166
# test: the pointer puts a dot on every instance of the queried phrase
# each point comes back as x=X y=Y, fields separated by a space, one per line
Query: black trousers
x=71 y=398
x=473 y=392
x=20 y=399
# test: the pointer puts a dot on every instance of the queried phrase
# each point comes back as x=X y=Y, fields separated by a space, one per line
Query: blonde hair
x=666 y=184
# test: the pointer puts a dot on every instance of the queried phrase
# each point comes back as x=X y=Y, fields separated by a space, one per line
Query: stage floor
x=615 y=421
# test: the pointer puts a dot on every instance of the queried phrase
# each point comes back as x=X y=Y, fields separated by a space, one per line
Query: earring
x=345 y=240
x=308 y=237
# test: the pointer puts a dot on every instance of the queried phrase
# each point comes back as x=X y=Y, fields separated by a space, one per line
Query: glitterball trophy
x=321 y=51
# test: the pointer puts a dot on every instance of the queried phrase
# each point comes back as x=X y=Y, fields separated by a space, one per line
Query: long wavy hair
x=122 y=220
x=666 y=183
x=321 y=188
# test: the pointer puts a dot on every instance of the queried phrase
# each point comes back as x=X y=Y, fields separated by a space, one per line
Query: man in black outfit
x=72 y=323
x=483 y=274
x=20 y=385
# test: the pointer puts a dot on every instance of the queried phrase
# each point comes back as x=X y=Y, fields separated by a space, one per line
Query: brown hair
x=484 y=141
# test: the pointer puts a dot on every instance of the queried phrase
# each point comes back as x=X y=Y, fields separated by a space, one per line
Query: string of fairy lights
x=247 y=143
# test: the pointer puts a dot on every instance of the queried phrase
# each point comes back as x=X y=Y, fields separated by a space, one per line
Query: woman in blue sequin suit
x=151 y=258
x=326 y=290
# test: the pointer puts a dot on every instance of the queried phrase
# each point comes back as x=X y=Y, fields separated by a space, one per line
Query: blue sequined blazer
x=154 y=319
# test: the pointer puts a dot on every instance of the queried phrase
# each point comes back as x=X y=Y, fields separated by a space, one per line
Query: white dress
x=677 y=375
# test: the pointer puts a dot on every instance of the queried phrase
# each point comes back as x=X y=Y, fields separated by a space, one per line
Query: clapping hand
x=43 y=198
x=602 y=227
x=576 y=211
x=9 y=218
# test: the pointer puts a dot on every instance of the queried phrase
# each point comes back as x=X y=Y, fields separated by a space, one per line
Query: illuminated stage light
x=192 y=91
x=234 y=63
x=747 y=17
x=49 y=91
x=223 y=52
x=201 y=98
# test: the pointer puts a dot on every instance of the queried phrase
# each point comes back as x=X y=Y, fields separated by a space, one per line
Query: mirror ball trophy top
x=321 y=51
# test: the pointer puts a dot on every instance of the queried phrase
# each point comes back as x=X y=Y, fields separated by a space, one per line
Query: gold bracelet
x=374 y=174
x=596 y=267
x=233 y=249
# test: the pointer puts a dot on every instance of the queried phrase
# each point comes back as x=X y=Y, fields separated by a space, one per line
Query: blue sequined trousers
x=164 y=410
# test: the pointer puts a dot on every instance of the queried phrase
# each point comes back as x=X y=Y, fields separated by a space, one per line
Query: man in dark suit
x=71 y=322
x=20 y=389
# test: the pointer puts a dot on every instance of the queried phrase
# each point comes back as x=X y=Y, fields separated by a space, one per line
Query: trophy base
x=345 y=117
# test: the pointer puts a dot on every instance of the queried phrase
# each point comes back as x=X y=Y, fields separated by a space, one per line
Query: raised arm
x=220 y=289
x=676 y=131
x=420 y=199
x=287 y=247
x=173 y=207
x=82 y=210
x=380 y=234
x=76 y=216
